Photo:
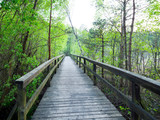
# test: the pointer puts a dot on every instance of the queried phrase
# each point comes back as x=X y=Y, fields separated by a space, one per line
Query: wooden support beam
x=94 y=77
x=135 y=99
x=21 y=100
x=22 y=83
x=84 y=64
x=79 y=61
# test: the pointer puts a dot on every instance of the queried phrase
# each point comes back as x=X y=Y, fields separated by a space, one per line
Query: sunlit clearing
x=82 y=13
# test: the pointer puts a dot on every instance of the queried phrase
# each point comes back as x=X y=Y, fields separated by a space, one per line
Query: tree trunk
x=102 y=55
x=49 y=34
x=125 y=34
x=113 y=52
x=113 y=58
x=130 y=44
x=130 y=40
x=16 y=70
x=121 y=54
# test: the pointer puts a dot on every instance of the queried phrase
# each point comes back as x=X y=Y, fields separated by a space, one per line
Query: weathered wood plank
x=39 y=89
x=72 y=95
x=76 y=118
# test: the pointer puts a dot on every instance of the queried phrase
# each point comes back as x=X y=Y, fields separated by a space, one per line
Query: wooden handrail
x=136 y=79
x=148 y=83
x=23 y=107
x=27 y=78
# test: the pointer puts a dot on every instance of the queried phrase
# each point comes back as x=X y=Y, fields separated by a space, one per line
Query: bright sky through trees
x=82 y=13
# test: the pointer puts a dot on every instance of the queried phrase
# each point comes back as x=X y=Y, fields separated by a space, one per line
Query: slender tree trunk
x=113 y=58
x=121 y=54
x=137 y=61
x=125 y=34
x=155 y=63
x=25 y=42
x=113 y=52
x=125 y=40
x=130 y=40
x=143 y=65
x=130 y=45
x=102 y=55
x=49 y=34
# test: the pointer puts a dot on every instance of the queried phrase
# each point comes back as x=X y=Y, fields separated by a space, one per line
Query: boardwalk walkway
x=72 y=96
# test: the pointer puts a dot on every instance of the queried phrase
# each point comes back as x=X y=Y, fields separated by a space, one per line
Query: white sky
x=82 y=13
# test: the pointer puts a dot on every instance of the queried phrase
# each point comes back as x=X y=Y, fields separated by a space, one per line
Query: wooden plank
x=36 y=94
x=102 y=118
x=24 y=81
x=72 y=95
x=82 y=117
x=70 y=110
x=134 y=106
x=107 y=113
x=138 y=109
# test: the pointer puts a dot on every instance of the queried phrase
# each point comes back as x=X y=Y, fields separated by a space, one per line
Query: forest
x=125 y=34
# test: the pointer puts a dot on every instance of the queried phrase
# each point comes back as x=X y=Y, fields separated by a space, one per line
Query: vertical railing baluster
x=48 y=69
x=55 y=62
x=136 y=99
x=21 y=100
x=88 y=66
x=79 y=61
x=58 y=64
x=84 y=66
x=94 y=77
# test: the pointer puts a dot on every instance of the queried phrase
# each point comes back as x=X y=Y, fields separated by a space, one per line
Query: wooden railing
x=136 y=79
x=24 y=81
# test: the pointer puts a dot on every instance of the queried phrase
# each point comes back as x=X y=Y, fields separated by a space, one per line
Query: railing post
x=94 y=77
x=84 y=66
x=102 y=72
x=21 y=100
x=79 y=61
x=48 y=82
x=136 y=99
x=55 y=62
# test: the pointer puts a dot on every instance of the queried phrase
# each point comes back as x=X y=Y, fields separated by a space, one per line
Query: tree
x=23 y=40
x=49 y=33
x=99 y=31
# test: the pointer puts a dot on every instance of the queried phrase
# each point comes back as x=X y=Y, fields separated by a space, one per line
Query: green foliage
x=124 y=109
x=10 y=96
x=24 y=42
x=24 y=39
x=31 y=88
x=154 y=8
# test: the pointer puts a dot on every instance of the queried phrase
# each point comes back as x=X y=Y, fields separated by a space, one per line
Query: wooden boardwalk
x=72 y=96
